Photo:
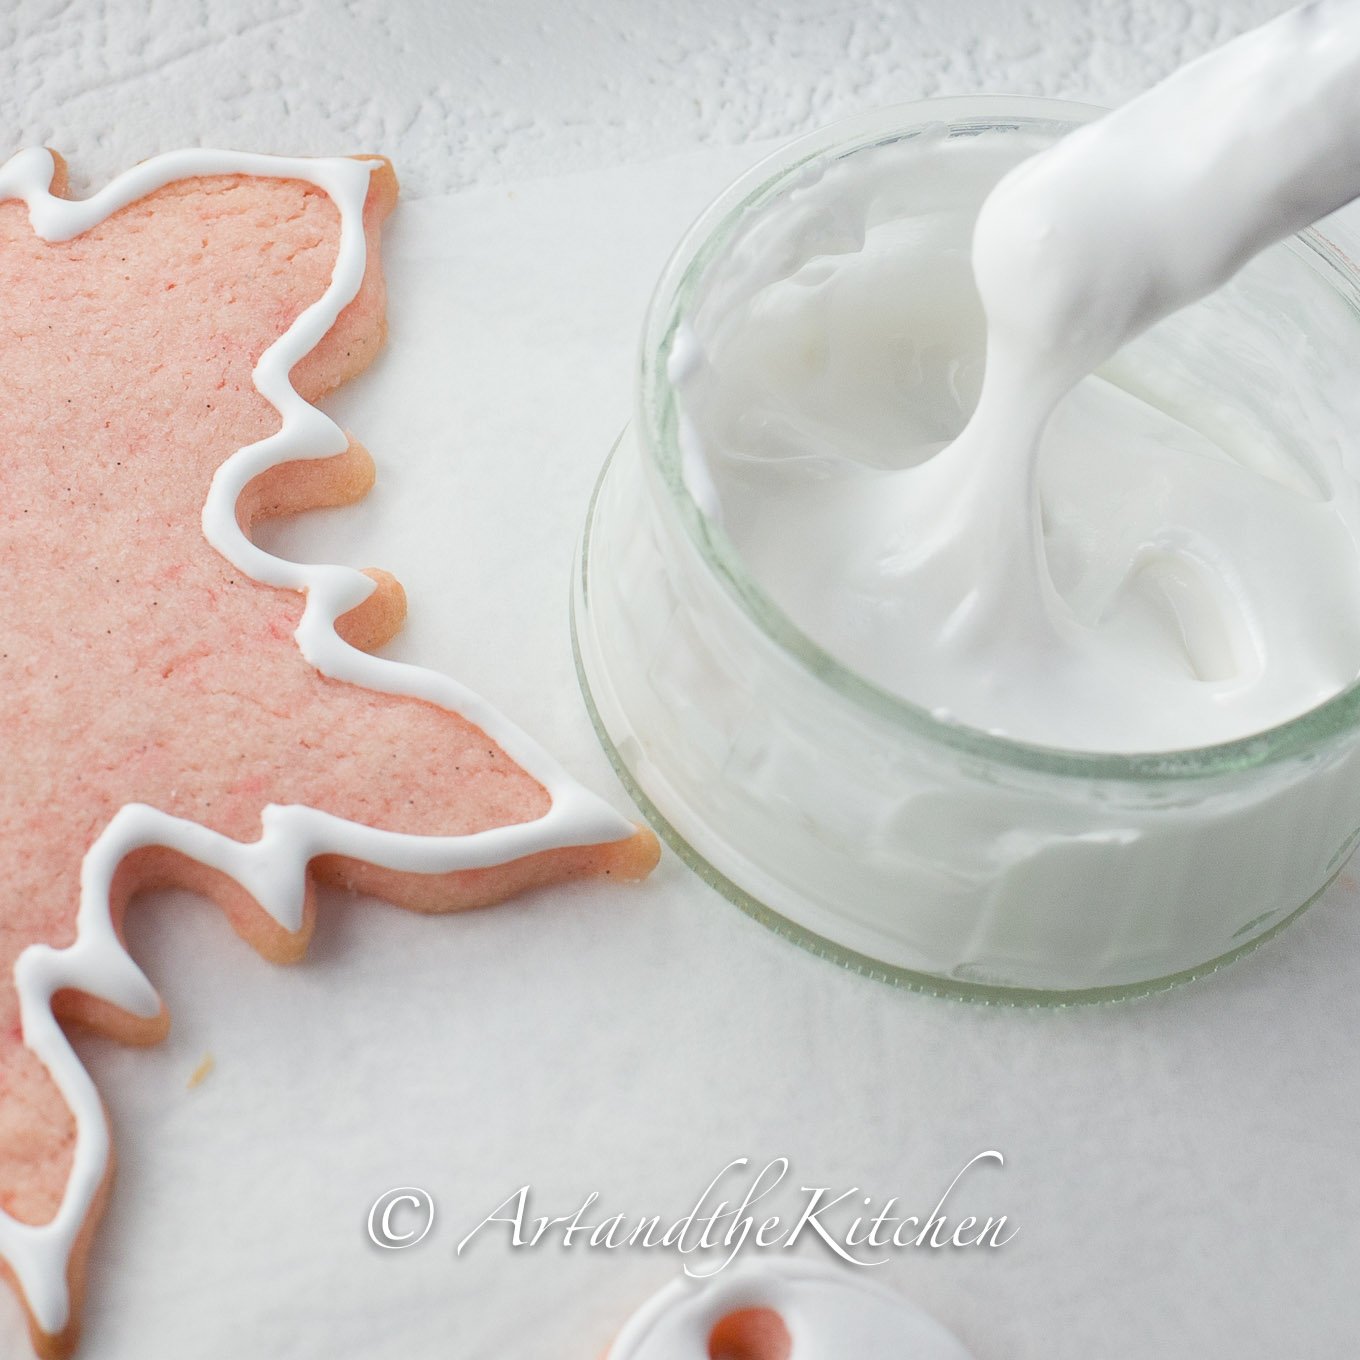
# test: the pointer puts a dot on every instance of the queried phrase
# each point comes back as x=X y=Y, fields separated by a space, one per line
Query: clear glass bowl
x=925 y=853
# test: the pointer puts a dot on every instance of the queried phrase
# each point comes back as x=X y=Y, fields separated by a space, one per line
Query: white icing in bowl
x=901 y=841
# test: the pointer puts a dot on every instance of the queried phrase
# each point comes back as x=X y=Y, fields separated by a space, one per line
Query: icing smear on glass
x=1078 y=567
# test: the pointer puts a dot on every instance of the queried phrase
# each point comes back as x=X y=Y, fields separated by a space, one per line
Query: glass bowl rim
x=1334 y=718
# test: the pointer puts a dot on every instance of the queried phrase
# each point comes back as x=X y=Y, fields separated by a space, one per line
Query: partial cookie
x=181 y=708
x=791 y=1311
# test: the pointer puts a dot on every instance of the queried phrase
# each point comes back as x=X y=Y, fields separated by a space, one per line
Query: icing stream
x=1162 y=554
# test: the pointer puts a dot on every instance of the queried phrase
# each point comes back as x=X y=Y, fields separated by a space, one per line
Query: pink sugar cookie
x=180 y=707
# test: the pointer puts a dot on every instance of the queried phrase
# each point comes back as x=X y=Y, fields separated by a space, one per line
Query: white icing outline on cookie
x=273 y=868
x=829 y=1312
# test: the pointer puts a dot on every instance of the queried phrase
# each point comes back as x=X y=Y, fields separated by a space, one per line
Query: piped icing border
x=829 y=1311
x=273 y=868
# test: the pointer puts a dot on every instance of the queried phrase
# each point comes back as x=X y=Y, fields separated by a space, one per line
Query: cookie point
x=60 y=175
x=383 y=185
x=645 y=852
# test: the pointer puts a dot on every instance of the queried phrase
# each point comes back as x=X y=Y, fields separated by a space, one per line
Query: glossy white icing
x=1097 y=562
x=273 y=868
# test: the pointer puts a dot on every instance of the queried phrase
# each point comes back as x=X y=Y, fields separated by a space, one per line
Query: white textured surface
x=469 y=92
x=1180 y=1170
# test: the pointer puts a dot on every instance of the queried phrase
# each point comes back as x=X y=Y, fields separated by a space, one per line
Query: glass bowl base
x=666 y=813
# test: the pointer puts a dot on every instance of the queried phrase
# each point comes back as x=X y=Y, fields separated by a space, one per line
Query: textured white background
x=473 y=92
x=1180 y=1169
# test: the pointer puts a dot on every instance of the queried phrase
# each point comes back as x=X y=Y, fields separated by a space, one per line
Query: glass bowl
x=924 y=852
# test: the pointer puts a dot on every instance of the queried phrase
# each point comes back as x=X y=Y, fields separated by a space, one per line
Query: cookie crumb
x=202 y=1072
